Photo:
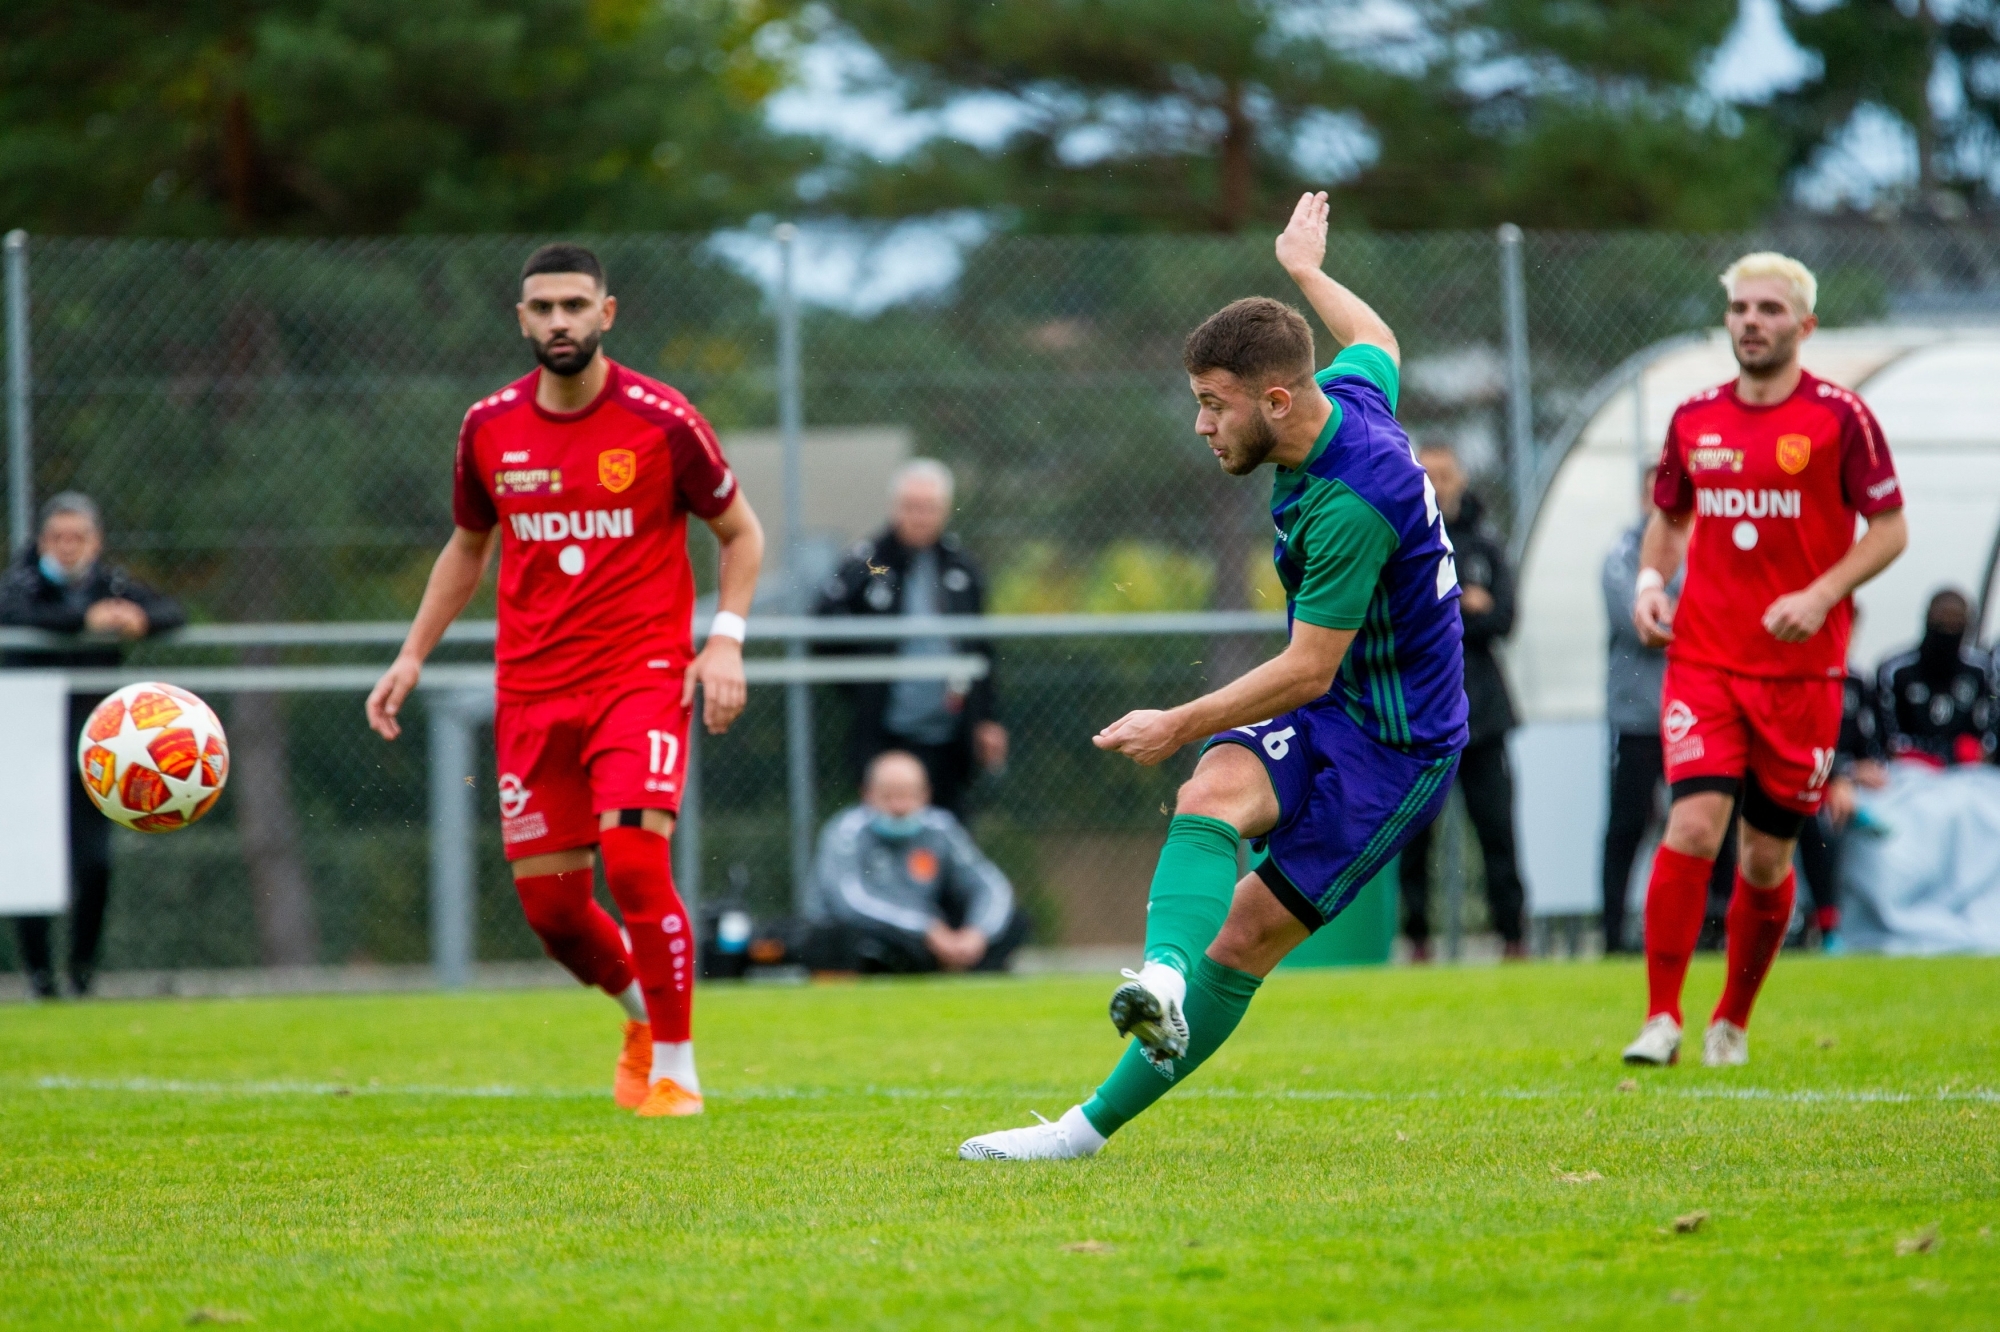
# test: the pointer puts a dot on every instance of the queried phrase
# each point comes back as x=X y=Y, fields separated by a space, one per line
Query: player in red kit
x=1759 y=487
x=587 y=472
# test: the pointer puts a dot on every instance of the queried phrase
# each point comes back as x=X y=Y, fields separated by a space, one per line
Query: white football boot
x=1147 y=1007
x=1659 y=1042
x=1725 y=1045
x=1066 y=1139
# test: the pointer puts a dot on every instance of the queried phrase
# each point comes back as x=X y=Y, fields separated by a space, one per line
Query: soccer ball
x=153 y=757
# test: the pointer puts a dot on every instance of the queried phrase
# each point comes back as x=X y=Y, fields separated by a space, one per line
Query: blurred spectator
x=1857 y=764
x=1486 y=600
x=898 y=886
x=916 y=567
x=61 y=584
x=1632 y=678
x=1936 y=700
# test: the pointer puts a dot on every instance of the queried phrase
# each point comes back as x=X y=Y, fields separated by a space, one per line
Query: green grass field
x=1384 y=1148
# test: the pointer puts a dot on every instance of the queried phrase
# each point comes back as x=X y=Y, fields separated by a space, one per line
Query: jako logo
x=1677 y=722
x=1717 y=503
x=572 y=526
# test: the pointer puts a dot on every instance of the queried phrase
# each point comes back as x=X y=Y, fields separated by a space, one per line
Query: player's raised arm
x=1301 y=250
x=454 y=578
x=719 y=668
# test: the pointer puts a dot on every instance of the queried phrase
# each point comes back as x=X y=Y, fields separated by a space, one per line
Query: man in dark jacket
x=1486 y=599
x=1936 y=701
x=916 y=567
x=60 y=584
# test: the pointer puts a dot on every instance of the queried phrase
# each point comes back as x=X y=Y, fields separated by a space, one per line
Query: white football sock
x=675 y=1059
x=1082 y=1134
x=633 y=1001
x=1164 y=981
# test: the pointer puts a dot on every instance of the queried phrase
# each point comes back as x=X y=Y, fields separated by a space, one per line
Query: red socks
x=575 y=930
x=1758 y=919
x=1676 y=897
x=636 y=868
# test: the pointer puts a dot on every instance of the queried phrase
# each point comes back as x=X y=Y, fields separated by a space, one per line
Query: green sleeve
x=1371 y=363
x=1345 y=543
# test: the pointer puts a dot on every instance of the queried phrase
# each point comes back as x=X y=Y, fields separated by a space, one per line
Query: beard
x=1777 y=352
x=1246 y=454
x=570 y=360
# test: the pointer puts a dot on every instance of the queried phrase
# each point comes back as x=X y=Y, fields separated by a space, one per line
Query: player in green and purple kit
x=1330 y=755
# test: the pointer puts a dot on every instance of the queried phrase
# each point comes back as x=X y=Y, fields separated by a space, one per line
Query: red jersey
x=595 y=584
x=1775 y=491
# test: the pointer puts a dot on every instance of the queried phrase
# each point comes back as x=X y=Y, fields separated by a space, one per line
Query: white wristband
x=728 y=624
x=1648 y=580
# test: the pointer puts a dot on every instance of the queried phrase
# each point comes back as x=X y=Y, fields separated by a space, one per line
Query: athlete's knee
x=556 y=905
x=1230 y=785
x=1203 y=794
x=1697 y=823
x=1764 y=860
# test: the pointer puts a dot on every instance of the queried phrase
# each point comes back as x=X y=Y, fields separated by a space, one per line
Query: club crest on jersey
x=617 y=468
x=1794 y=452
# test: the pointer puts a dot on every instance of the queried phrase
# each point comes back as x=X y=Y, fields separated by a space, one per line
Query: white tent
x=1936 y=391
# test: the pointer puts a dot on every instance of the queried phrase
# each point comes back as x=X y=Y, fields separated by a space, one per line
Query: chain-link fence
x=269 y=427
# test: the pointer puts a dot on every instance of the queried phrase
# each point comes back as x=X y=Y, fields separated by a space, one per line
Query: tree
x=1569 y=116
x=1162 y=115
x=1933 y=66
x=1135 y=114
x=241 y=117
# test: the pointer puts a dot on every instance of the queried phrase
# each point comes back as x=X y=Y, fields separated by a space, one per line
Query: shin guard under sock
x=576 y=931
x=641 y=882
x=1758 y=919
x=1676 y=897
x=1217 y=998
x=1192 y=888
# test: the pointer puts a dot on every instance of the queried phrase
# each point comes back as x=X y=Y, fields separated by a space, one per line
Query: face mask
x=897 y=829
x=1937 y=654
x=55 y=573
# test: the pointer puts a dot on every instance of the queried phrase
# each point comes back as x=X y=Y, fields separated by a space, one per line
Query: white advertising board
x=34 y=815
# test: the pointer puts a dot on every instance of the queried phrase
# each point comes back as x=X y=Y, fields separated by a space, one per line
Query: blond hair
x=1771 y=264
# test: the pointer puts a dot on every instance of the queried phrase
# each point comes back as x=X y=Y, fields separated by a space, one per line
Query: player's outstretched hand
x=1653 y=617
x=1302 y=246
x=1796 y=616
x=385 y=700
x=719 y=672
x=1147 y=737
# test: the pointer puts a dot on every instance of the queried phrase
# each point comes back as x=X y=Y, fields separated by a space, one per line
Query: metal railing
x=461 y=702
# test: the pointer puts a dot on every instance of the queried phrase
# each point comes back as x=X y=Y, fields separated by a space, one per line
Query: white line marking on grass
x=501 y=1091
x=182 y=1087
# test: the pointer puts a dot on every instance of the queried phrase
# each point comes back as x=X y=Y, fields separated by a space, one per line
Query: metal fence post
x=1520 y=402
x=1451 y=832
x=798 y=696
x=453 y=852
x=20 y=451
x=687 y=827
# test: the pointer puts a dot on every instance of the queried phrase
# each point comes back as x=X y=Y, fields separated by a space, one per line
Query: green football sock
x=1217 y=998
x=1192 y=888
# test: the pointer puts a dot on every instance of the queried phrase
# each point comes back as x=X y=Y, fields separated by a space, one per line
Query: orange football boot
x=667 y=1097
x=635 y=1065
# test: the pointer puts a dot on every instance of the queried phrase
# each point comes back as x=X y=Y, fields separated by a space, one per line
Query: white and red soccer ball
x=153 y=757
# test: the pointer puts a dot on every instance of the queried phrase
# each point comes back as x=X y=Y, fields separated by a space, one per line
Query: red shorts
x=564 y=761
x=1717 y=724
